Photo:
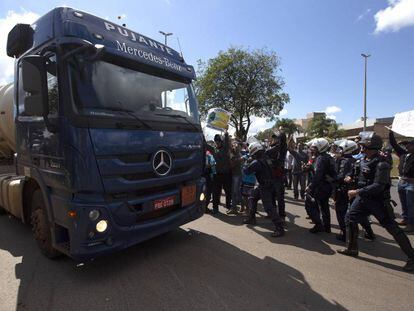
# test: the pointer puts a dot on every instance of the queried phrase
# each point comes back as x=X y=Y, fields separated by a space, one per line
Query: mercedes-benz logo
x=162 y=163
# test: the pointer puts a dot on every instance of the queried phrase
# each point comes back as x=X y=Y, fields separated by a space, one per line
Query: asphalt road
x=210 y=264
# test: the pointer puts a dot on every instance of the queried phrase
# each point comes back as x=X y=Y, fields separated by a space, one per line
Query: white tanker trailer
x=7 y=126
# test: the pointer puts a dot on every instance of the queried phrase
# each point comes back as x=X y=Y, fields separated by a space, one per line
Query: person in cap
x=370 y=198
x=406 y=181
x=222 y=178
x=266 y=190
x=320 y=187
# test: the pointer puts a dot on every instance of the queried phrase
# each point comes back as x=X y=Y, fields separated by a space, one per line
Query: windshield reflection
x=102 y=85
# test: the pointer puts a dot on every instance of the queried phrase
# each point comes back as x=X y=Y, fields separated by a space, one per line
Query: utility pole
x=365 y=56
x=166 y=35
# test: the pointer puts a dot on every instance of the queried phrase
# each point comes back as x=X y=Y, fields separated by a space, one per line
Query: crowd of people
x=353 y=174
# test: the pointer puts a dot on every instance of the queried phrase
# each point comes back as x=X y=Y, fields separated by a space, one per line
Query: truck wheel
x=40 y=226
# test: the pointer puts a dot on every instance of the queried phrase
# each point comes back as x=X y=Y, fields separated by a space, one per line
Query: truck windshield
x=106 y=86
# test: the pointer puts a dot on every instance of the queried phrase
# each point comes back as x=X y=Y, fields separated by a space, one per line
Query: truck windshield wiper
x=131 y=113
x=178 y=116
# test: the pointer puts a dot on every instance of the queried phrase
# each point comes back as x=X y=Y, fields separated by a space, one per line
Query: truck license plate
x=188 y=195
x=163 y=203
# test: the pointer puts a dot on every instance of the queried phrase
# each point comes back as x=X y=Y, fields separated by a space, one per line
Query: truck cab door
x=37 y=119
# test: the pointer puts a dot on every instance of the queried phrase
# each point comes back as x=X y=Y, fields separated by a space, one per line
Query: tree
x=288 y=125
x=321 y=126
x=245 y=83
x=266 y=134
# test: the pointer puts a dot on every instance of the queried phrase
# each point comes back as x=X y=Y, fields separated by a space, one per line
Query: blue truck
x=104 y=125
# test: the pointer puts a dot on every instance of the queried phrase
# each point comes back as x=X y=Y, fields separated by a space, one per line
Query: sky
x=319 y=42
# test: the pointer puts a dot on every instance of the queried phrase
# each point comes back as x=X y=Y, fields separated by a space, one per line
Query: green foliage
x=288 y=125
x=266 y=134
x=321 y=126
x=245 y=83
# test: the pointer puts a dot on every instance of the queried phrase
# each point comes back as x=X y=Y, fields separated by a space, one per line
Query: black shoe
x=348 y=252
x=316 y=229
x=214 y=212
x=341 y=237
x=351 y=241
x=249 y=221
x=296 y=197
x=328 y=229
x=370 y=236
x=409 y=266
x=208 y=211
x=278 y=233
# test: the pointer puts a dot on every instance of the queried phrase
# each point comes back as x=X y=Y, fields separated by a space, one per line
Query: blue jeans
x=406 y=193
x=236 y=191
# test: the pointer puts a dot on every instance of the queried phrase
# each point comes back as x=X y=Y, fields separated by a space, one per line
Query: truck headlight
x=101 y=226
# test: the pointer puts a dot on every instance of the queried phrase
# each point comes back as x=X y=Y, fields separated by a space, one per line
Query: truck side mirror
x=35 y=85
x=19 y=40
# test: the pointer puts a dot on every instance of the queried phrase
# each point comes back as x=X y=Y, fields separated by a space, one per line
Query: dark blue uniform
x=344 y=168
x=265 y=191
x=277 y=155
x=373 y=194
x=320 y=189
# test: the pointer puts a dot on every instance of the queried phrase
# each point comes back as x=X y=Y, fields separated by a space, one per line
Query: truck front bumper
x=86 y=243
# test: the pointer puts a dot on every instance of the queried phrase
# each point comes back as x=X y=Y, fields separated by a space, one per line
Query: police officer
x=320 y=187
x=344 y=164
x=345 y=169
x=266 y=190
x=370 y=198
x=277 y=155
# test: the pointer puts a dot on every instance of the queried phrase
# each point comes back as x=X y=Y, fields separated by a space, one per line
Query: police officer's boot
x=279 y=232
x=369 y=234
x=405 y=246
x=341 y=236
x=250 y=220
x=409 y=266
x=351 y=241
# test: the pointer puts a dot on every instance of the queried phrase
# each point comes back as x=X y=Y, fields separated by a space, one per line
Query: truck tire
x=41 y=227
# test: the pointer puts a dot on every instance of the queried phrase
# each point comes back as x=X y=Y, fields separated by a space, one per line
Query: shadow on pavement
x=183 y=270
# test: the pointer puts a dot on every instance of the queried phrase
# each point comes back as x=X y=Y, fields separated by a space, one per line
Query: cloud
x=367 y=11
x=259 y=124
x=331 y=110
x=6 y=24
x=398 y=14
x=283 y=112
x=331 y=116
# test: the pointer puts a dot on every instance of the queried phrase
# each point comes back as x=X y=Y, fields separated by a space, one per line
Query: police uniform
x=266 y=191
x=373 y=192
x=277 y=154
x=344 y=168
x=319 y=191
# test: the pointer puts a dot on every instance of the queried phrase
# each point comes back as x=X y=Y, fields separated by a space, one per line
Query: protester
x=209 y=173
x=300 y=158
x=248 y=184
x=288 y=170
x=371 y=198
x=406 y=181
x=236 y=170
x=266 y=191
x=222 y=178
